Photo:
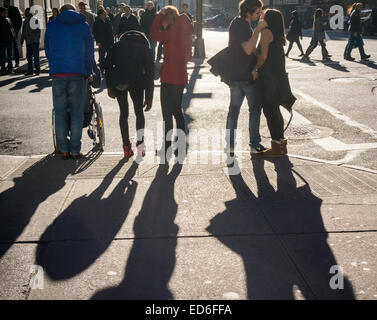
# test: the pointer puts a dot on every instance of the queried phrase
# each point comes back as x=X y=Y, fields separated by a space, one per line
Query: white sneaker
x=258 y=149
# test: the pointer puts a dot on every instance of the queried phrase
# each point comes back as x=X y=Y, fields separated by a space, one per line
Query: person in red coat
x=174 y=31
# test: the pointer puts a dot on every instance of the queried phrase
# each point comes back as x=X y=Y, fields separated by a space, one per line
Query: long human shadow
x=152 y=258
x=296 y=209
x=368 y=63
x=41 y=82
x=269 y=274
x=10 y=80
x=189 y=94
x=89 y=223
x=19 y=203
x=336 y=66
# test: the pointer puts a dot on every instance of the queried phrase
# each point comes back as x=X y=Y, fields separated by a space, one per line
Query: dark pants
x=171 y=106
x=137 y=99
x=314 y=44
x=275 y=121
x=271 y=109
x=32 y=53
x=102 y=52
x=6 y=47
x=16 y=54
x=351 y=40
x=159 y=51
x=298 y=45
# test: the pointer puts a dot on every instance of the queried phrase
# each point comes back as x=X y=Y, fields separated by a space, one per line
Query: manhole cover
x=301 y=131
x=347 y=80
x=9 y=144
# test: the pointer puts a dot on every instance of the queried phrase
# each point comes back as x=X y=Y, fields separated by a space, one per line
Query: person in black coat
x=14 y=16
x=103 y=34
x=127 y=22
x=32 y=38
x=294 y=33
x=355 y=34
x=6 y=39
x=129 y=67
x=146 y=21
x=110 y=15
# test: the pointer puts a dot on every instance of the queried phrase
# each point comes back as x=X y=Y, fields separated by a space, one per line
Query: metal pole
x=45 y=3
x=199 y=50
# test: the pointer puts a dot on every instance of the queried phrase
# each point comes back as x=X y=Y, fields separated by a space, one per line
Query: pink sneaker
x=128 y=151
x=140 y=149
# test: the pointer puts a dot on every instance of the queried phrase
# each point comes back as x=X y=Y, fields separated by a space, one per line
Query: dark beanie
x=100 y=11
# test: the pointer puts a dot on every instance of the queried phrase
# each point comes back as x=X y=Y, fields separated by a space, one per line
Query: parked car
x=368 y=21
x=219 y=20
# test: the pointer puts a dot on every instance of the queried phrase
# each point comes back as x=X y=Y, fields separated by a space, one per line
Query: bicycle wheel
x=56 y=149
x=100 y=125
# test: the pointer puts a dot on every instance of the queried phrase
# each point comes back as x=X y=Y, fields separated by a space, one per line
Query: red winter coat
x=177 y=41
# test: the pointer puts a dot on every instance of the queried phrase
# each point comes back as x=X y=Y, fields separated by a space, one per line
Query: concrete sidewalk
x=103 y=228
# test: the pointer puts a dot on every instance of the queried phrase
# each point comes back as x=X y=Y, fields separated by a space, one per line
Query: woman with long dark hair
x=175 y=33
x=269 y=71
x=318 y=35
x=294 y=33
x=55 y=13
x=355 y=33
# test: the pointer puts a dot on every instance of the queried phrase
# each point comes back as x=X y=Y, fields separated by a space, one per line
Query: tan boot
x=276 y=151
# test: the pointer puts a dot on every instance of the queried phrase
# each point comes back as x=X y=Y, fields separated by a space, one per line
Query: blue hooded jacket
x=69 y=44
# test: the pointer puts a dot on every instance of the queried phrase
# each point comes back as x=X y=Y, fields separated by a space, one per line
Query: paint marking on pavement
x=332 y=144
x=337 y=114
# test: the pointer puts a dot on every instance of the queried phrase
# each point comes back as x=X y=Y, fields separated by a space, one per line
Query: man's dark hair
x=248 y=6
x=2 y=9
x=67 y=6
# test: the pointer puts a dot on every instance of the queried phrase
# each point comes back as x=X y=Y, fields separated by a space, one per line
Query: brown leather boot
x=276 y=150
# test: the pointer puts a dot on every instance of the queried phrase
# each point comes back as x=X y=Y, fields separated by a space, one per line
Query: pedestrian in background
x=69 y=48
x=177 y=40
x=355 y=39
x=269 y=72
x=88 y=16
x=103 y=34
x=140 y=13
x=110 y=15
x=130 y=69
x=32 y=37
x=55 y=12
x=16 y=19
x=128 y=22
x=185 y=10
x=146 y=23
x=117 y=18
x=242 y=45
x=294 y=33
x=7 y=35
x=318 y=35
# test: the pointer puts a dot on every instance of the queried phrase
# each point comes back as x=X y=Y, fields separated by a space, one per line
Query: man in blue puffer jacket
x=69 y=48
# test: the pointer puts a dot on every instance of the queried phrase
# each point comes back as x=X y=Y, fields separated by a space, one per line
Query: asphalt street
x=299 y=227
x=335 y=113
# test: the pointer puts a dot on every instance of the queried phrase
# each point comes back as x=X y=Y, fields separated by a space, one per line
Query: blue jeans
x=350 y=43
x=238 y=91
x=69 y=93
